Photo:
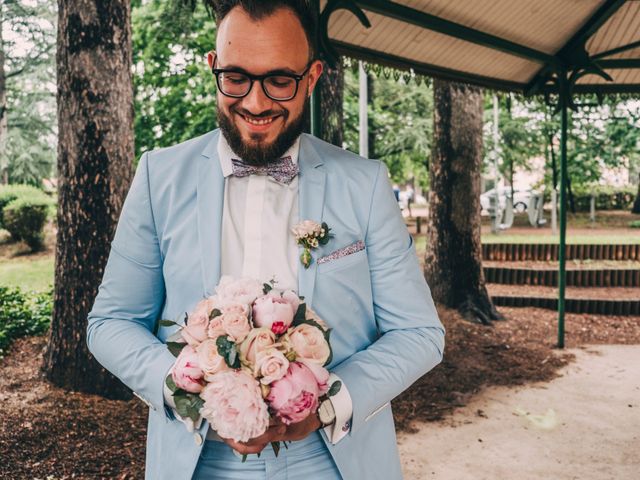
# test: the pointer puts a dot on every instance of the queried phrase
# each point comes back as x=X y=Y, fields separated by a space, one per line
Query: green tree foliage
x=174 y=88
x=400 y=123
x=28 y=44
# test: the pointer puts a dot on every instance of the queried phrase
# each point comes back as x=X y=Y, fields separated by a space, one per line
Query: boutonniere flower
x=310 y=235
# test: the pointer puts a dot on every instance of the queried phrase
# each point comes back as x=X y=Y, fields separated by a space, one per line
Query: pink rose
x=186 y=372
x=271 y=365
x=215 y=328
x=309 y=344
x=235 y=325
x=210 y=362
x=258 y=340
x=197 y=325
x=295 y=395
x=238 y=290
x=276 y=311
x=234 y=407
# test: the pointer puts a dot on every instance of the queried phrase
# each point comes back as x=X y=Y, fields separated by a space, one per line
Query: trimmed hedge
x=607 y=198
x=23 y=212
x=23 y=314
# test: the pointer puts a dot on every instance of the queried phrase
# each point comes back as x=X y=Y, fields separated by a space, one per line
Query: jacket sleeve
x=411 y=337
x=122 y=322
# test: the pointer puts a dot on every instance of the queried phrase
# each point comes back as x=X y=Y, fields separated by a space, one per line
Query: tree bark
x=331 y=97
x=95 y=151
x=4 y=126
x=453 y=265
x=636 y=203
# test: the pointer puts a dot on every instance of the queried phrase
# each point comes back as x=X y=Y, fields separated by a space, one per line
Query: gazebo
x=560 y=49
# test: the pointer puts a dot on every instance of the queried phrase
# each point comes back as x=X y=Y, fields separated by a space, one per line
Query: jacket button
x=197 y=438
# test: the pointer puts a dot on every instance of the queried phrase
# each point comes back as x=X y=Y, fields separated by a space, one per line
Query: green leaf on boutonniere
x=176 y=347
x=168 y=323
x=214 y=313
x=335 y=388
x=171 y=384
x=300 y=315
x=324 y=239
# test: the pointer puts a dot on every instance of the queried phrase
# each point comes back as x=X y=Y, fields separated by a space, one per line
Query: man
x=194 y=212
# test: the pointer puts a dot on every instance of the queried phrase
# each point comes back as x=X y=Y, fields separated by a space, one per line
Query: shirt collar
x=225 y=154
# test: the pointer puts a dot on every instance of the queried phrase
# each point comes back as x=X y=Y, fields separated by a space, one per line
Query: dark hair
x=259 y=9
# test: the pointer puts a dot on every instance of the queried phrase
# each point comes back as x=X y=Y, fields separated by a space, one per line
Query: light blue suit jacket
x=165 y=257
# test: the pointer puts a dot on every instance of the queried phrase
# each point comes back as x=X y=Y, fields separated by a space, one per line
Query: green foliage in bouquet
x=22 y=314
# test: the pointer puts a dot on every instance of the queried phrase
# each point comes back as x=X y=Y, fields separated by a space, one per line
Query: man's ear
x=211 y=58
x=315 y=70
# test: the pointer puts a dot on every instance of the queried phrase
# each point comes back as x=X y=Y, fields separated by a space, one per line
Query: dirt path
x=583 y=425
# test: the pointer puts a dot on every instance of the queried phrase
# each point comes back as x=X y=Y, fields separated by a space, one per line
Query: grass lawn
x=36 y=275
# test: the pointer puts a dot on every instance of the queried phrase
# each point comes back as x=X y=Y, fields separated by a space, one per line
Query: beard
x=259 y=154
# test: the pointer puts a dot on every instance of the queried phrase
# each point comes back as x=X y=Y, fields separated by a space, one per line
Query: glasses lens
x=234 y=83
x=280 y=87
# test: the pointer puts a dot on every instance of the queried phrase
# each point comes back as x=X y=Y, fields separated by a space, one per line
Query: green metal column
x=316 y=117
x=562 y=274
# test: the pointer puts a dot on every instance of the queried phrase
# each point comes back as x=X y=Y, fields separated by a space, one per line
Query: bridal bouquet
x=249 y=354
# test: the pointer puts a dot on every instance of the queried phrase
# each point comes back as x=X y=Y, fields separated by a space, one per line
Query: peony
x=210 y=362
x=309 y=344
x=235 y=325
x=271 y=365
x=197 y=325
x=276 y=311
x=239 y=291
x=295 y=395
x=234 y=407
x=258 y=340
x=186 y=372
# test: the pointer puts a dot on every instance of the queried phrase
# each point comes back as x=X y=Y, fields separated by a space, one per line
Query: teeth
x=262 y=121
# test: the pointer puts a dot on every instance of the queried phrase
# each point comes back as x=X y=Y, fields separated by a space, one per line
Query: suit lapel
x=311 y=190
x=210 y=202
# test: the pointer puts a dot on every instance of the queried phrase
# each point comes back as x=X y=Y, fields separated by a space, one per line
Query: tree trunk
x=331 y=97
x=636 y=203
x=453 y=264
x=4 y=127
x=95 y=151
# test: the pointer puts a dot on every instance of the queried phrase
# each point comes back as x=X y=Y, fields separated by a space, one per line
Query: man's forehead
x=274 y=41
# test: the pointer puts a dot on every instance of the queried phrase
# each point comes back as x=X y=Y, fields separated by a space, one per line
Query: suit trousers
x=302 y=460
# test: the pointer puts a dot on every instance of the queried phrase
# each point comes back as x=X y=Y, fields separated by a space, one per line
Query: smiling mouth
x=259 y=121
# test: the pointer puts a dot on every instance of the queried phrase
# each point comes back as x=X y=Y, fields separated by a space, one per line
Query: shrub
x=23 y=314
x=25 y=218
x=9 y=193
x=607 y=198
x=635 y=224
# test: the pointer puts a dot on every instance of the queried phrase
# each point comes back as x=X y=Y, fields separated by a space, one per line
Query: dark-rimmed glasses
x=277 y=86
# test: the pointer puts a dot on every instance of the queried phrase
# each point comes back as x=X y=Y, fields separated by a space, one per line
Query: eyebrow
x=277 y=71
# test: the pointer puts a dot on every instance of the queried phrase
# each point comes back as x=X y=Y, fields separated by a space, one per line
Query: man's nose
x=256 y=101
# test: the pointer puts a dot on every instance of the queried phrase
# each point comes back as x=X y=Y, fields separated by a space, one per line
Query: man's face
x=258 y=128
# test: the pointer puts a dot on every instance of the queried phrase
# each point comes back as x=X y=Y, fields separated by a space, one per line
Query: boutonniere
x=310 y=234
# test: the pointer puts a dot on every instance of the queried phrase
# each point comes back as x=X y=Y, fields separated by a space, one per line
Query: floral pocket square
x=342 y=252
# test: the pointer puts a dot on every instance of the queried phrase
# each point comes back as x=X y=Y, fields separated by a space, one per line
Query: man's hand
x=274 y=433
x=300 y=430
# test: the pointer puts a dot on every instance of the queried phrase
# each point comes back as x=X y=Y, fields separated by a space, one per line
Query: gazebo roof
x=511 y=45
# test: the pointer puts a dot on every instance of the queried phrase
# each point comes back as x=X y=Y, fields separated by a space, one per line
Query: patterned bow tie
x=283 y=171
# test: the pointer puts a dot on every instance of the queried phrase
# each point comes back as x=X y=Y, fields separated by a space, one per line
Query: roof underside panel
x=623 y=28
x=425 y=46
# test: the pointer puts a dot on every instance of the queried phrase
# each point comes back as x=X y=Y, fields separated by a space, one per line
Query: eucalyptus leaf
x=335 y=388
x=276 y=448
x=176 y=347
x=214 y=313
x=167 y=323
x=171 y=384
x=300 y=315
x=266 y=288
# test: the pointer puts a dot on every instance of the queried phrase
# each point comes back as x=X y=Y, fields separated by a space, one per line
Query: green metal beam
x=578 y=40
x=452 y=29
x=619 y=63
x=616 y=50
x=426 y=69
x=562 y=274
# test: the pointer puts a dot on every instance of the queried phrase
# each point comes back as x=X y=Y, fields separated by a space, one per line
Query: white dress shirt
x=257 y=242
